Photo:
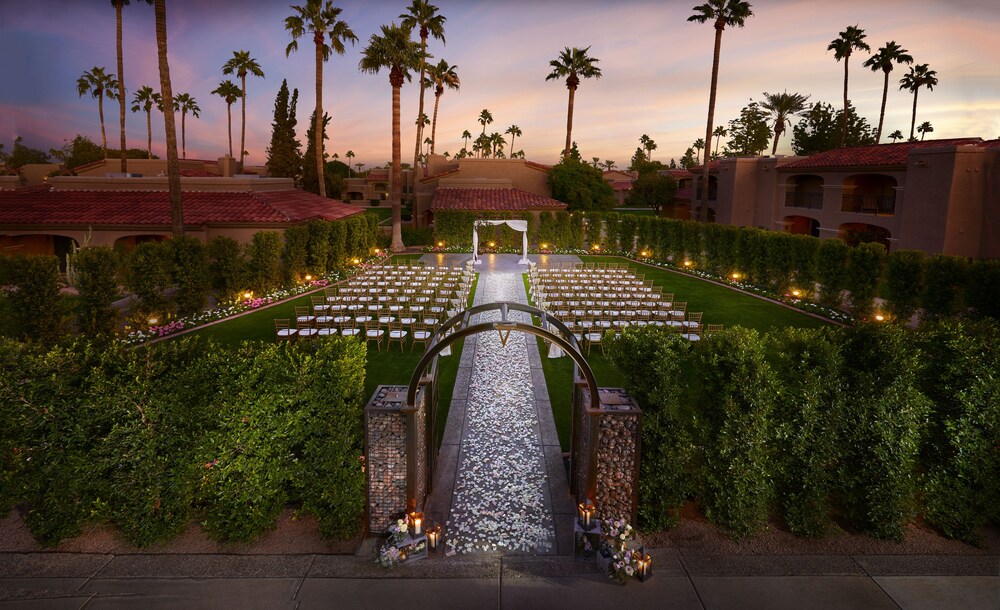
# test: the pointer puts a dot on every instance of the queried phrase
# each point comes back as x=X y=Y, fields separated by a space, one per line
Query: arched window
x=805 y=191
x=869 y=194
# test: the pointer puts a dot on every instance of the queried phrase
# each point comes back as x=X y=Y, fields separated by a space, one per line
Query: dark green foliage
x=944 y=282
x=779 y=253
x=864 y=268
x=22 y=155
x=190 y=274
x=284 y=157
x=227 y=267
x=563 y=229
x=310 y=182
x=337 y=250
x=547 y=229
x=804 y=249
x=692 y=235
x=612 y=231
x=982 y=290
x=831 y=270
x=720 y=243
x=418 y=236
x=626 y=234
x=575 y=231
x=595 y=224
x=318 y=247
x=149 y=439
x=652 y=190
x=264 y=261
x=808 y=415
x=904 y=283
x=82 y=150
x=734 y=391
x=655 y=375
x=962 y=378
x=148 y=274
x=581 y=186
x=749 y=133
x=36 y=303
x=749 y=254
x=454 y=227
x=295 y=254
x=819 y=130
x=97 y=283
x=885 y=414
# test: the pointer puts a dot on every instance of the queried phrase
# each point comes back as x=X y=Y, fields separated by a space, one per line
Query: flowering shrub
x=622 y=561
x=388 y=555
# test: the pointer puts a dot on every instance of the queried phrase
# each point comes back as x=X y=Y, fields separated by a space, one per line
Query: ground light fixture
x=492 y=244
x=356 y=261
x=440 y=244
x=585 y=514
x=688 y=264
x=596 y=246
x=248 y=295
x=153 y=321
x=796 y=292
x=644 y=254
x=545 y=246
x=879 y=317
x=309 y=277
x=735 y=276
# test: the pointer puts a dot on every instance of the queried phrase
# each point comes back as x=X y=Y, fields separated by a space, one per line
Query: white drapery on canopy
x=517 y=225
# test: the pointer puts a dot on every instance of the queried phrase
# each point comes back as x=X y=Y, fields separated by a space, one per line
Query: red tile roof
x=539 y=166
x=875 y=155
x=713 y=166
x=621 y=185
x=500 y=200
x=43 y=206
x=198 y=173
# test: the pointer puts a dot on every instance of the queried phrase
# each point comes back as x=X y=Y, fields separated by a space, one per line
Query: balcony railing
x=812 y=201
x=880 y=205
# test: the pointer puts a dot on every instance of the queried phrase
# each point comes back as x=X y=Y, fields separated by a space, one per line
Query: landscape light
x=796 y=293
x=492 y=244
x=736 y=276
x=644 y=253
x=248 y=294
x=356 y=261
x=153 y=321
x=309 y=277
x=687 y=263
x=440 y=244
x=545 y=246
x=879 y=317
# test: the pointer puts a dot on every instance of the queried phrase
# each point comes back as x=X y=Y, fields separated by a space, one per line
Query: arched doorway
x=854 y=233
x=804 y=191
x=869 y=194
x=802 y=225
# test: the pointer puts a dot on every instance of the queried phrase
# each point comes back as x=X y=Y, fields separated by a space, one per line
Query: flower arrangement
x=397 y=531
x=623 y=562
x=388 y=555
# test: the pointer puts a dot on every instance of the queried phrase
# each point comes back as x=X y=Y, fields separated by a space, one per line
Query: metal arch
x=441 y=341
x=505 y=307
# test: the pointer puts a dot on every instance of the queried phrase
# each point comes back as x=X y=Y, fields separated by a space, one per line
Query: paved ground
x=682 y=579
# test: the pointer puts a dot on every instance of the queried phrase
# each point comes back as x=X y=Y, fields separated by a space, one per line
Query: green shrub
x=831 y=270
x=804 y=261
x=904 y=283
x=190 y=274
x=733 y=395
x=692 y=234
x=808 y=414
x=418 y=236
x=747 y=254
x=944 y=282
x=592 y=234
x=626 y=234
x=563 y=230
x=36 y=304
x=336 y=252
x=227 y=267
x=864 y=268
x=264 y=261
x=97 y=284
x=612 y=231
x=295 y=254
x=960 y=457
x=454 y=227
x=318 y=247
x=547 y=230
x=148 y=274
x=982 y=291
x=652 y=360
x=883 y=420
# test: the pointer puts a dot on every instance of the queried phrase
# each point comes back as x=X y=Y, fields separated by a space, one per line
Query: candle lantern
x=645 y=565
x=433 y=538
x=417 y=521
x=585 y=511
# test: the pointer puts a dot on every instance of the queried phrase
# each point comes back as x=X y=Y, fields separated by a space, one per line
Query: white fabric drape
x=517 y=225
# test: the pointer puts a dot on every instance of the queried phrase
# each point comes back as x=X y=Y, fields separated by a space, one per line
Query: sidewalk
x=76 y=581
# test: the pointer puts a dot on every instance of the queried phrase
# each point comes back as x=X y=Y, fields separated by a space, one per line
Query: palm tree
x=242 y=64
x=609 y=164
x=595 y=161
x=650 y=146
x=485 y=118
x=497 y=142
x=320 y=19
x=98 y=84
x=896 y=135
x=924 y=129
x=467 y=136
x=393 y=50
x=440 y=76
x=698 y=146
x=167 y=95
x=882 y=60
x=721 y=13
x=918 y=76
x=514 y=131
x=782 y=106
x=851 y=39
x=717 y=133
x=572 y=64
x=359 y=165
x=185 y=103
x=119 y=4
x=350 y=155
x=428 y=143
x=144 y=99
x=423 y=16
x=229 y=91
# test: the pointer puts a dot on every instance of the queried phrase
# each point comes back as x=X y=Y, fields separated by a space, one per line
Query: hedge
x=864 y=268
x=149 y=439
x=831 y=270
x=97 y=285
x=944 y=281
x=904 y=282
x=263 y=255
x=148 y=275
x=190 y=274
x=872 y=425
x=227 y=267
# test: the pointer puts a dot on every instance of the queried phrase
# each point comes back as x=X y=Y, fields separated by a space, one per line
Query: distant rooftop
x=492 y=200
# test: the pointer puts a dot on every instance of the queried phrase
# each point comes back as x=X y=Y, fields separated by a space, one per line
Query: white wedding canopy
x=517 y=225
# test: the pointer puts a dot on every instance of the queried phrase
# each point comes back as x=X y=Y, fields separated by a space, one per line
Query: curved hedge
x=150 y=439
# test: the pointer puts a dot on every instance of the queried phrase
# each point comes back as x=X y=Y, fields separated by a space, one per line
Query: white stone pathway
x=500 y=501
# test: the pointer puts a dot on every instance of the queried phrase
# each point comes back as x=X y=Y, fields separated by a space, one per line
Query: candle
x=432 y=537
x=417 y=519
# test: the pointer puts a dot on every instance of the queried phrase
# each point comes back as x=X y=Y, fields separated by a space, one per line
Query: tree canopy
x=284 y=157
x=22 y=155
x=819 y=130
x=749 y=133
x=581 y=186
x=654 y=190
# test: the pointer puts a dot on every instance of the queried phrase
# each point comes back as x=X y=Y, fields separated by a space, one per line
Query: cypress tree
x=309 y=181
x=284 y=159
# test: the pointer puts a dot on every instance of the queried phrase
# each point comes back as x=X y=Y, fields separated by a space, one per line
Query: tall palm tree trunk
x=420 y=110
x=243 y=123
x=843 y=119
x=913 y=118
x=703 y=213
x=173 y=166
x=569 y=123
x=229 y=125
x=434 y=122
x=778 y=130
x=318 y=127
x=512 y=144
x=100 y=111
x=881 y=113
x=396 y=192
x=184 y=154
x=121 y=81
x=149 y=134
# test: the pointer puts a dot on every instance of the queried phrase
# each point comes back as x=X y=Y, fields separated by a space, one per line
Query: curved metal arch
x=441 y=341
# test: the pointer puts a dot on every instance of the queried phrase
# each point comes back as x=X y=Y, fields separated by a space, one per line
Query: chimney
x=227 y=166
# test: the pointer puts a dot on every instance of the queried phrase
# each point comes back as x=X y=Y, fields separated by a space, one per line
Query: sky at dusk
x=656 y=69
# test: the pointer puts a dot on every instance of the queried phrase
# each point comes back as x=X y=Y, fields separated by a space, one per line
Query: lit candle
x=432 y=537
x=418 y=521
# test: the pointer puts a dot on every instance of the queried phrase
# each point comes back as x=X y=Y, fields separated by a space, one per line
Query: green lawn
x=383 y=214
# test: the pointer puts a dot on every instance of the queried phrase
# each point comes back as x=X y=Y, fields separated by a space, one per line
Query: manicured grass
x=720 y=305
x=382 y=213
